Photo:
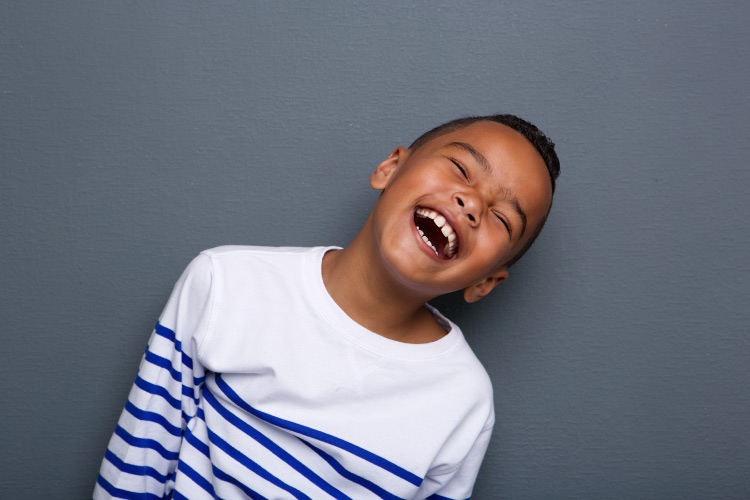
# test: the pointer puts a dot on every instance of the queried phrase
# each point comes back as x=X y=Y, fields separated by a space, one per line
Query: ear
x=384 y=172
x=478 y=290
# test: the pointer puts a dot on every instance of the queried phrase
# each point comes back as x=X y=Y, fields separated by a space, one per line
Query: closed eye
x=462 y=169
x=505 y=223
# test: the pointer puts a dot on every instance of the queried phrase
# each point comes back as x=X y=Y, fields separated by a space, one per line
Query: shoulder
x=233 y=264
x=470 y=385
x=463 y=361
x=472 y=382
x=240 y=273
x=250 y=286
x=240 y=252
x=242 y=262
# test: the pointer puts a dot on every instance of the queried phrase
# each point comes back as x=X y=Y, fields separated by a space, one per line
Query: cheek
x=430 y=177
x=415 y=187
x=496 y=247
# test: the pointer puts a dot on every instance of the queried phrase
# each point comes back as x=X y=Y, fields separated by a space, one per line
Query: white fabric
x=279 y=394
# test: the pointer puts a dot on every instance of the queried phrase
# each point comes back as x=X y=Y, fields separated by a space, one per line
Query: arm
x=142 y=454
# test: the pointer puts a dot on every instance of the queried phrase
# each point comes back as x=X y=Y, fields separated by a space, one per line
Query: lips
x=436 y=232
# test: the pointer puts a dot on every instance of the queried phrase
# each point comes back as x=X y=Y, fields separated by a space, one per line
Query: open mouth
x=436 y=232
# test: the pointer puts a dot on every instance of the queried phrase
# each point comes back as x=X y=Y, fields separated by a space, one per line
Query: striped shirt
x=256 y=385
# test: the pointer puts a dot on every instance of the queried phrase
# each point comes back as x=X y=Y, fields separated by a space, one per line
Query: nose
x=471 y=207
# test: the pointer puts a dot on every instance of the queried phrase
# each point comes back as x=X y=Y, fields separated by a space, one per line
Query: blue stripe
x=158 y=390
x=118 y=493
x=190 y=393
x=157 y=360
x=386 y=495
x=166 y=364
x=199 y=445
x=435 y=496
x=254 y=495
x=187 y=361
x=153 y=417
x=170 y=335
x=137 y=470
x=146 y=443
x=197 y=478
x=272 y=447
x=319 y=435
x=177 y=376
x=254 y=466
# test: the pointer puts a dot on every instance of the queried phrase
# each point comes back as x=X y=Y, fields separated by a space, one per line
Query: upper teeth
x=445 y=228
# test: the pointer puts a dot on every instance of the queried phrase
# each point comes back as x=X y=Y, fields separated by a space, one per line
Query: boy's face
x=454 y=211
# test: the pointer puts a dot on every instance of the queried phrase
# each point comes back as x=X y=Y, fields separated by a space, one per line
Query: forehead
x=490 y=136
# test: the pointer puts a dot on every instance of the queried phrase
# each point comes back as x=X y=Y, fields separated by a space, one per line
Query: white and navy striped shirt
x=255 y=384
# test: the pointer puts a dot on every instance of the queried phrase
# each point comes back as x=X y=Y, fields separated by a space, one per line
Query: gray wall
x=135 y=134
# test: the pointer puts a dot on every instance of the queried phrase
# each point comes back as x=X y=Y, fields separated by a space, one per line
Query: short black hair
x=531 y=132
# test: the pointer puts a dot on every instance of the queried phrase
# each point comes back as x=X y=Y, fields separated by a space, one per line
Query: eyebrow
x=480 y=158
x=521 y=215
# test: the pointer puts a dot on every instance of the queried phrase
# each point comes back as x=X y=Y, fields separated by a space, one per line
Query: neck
x=363 y=288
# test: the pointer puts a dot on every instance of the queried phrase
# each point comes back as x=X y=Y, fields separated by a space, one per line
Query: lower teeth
x=448 y=250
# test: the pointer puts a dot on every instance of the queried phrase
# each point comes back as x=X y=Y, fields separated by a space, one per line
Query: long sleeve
x=142 y=455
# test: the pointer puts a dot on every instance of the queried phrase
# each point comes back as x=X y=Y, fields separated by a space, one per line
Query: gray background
x=135 y=134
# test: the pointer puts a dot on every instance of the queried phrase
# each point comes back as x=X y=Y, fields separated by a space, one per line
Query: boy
x=323 y=373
